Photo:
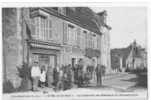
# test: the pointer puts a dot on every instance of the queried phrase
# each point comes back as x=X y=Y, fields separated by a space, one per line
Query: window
x=42 y=31
x=65 y=32
x=32 y=24
x=36 y=21
x=55 y=8
x=78 y=36
x=61 y=10
x=95 y=41
x=72 y=34
x=98 y=42
x=83 y=40
x=86 y=38
x=89 y=40
x=64 y=11
x=43 y=28
x=49 y=29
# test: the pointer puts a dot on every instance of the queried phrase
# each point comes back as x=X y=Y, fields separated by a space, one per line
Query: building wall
x=12 y=45
x=136 y=62
x=105 y=49
x=73 y=39
x=18 y=27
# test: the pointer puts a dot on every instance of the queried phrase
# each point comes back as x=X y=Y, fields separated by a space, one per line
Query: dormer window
x=60 y=10
x=55 y=8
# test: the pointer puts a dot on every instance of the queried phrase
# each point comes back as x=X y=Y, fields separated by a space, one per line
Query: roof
x=119 y=52
x=81 y=16
x=101 y=19
x=85 y=16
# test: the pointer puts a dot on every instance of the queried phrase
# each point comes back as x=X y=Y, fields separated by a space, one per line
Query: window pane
x=50 y=24
x=50 y=34
x=55 y=8
x=45 y=28
x=42 y=28
x=38 y=23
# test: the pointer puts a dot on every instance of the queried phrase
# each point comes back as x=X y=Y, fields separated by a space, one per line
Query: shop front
x=47 y=55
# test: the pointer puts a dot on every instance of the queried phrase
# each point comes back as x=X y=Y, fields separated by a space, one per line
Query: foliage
x=24 y=73
x=8 y=87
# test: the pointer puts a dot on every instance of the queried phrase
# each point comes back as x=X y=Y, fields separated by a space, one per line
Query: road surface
x=122 y=83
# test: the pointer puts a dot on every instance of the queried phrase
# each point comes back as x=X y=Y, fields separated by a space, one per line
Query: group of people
x=63 y=77
x=38 y=76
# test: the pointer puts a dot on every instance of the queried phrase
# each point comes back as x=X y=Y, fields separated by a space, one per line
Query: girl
x=43 y=77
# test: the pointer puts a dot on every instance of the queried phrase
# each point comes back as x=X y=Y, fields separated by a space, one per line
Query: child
x=43 y=77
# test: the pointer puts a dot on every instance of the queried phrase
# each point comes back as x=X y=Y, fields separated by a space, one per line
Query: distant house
x=116 y=54
x=133 y=57
x=137 y=57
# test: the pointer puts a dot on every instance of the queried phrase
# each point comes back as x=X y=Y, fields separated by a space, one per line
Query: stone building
x=105 y=42
x=137 y=58
x=53 y=36
x=131 y=57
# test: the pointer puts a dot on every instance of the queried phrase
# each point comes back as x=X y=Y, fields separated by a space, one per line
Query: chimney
x=103 y=15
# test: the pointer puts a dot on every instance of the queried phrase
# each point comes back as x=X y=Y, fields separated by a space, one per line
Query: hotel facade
x=53 y=36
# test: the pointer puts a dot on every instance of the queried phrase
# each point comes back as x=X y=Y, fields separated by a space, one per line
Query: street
x=120 y=82
x=112 y=85
x=124 y=82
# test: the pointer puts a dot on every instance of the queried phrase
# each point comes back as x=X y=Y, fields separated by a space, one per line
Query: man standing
x=98 y=71
x=35 y=74
x=50 y=79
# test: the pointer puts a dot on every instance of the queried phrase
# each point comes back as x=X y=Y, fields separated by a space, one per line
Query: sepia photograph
x=62 y=52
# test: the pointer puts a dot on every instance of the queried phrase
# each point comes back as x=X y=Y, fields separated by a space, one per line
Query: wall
x=57 y=29
x=105 y=49
x=12 y=45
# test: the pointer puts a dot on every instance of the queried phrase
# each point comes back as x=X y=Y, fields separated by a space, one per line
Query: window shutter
x=65 y=39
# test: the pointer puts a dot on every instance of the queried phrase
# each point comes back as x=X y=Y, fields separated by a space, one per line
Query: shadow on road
x=141 y=80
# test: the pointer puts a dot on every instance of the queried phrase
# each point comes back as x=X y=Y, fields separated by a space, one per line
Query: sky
x=128 y=24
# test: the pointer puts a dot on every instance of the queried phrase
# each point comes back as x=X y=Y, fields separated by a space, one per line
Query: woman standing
x=55 y=75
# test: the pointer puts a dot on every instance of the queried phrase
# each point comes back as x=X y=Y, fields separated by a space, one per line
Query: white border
x=71 y=4
x=87 y=3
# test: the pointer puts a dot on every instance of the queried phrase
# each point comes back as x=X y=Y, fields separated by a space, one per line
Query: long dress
x=55 y=76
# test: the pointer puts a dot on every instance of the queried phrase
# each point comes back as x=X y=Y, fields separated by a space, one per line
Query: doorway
x=49 y=61
x=45 y=59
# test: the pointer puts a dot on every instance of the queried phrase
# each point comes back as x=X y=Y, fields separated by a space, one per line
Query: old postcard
x=74 y=52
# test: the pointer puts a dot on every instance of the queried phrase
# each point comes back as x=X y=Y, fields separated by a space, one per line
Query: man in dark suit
x=98 y=71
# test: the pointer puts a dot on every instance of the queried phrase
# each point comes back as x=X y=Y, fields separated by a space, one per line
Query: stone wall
x=12 y=45
x=105 y=49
